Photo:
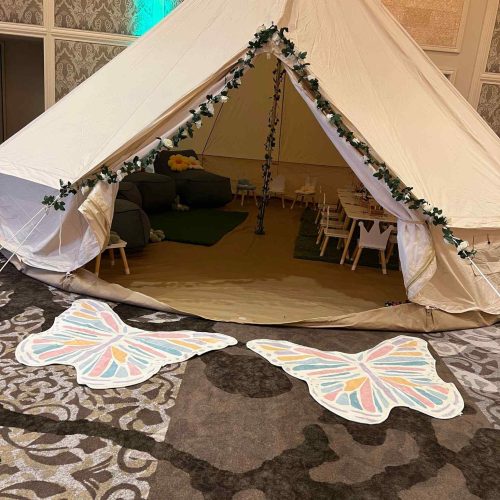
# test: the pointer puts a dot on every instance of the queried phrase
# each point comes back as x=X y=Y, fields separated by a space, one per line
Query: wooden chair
x=328 y=215
x=308 y=190
x=111 y=248
x=277 y=188
x=334 y=209
x=332 y=232
x=374 y=240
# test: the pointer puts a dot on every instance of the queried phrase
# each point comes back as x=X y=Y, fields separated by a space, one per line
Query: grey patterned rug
x=231 y=425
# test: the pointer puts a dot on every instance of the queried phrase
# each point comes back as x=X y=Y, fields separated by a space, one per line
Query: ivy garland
x=296 y=60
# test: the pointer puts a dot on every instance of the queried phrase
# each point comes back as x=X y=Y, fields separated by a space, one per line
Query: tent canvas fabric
x=367 y=66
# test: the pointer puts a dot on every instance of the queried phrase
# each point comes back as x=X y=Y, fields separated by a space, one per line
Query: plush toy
x=178 y=206
x=156 y=235
x=114 y=237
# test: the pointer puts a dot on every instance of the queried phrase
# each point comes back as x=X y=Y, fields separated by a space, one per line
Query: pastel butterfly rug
x=364 y=387
x=106 y=352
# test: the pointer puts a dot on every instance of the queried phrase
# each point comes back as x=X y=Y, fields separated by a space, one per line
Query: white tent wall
x=367 y=66
x=57 y=241
x=409 y=113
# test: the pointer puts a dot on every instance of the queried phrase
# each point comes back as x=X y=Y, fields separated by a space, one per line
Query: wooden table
x=355 y=211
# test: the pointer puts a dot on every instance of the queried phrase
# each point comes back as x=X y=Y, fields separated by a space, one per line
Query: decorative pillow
x=179 y=163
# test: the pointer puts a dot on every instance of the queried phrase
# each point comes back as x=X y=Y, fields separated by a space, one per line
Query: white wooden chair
x=374 y=240
x=329 y=231
x=307 y=193
x=328 y=214
x=334 y=209
x=277 y=188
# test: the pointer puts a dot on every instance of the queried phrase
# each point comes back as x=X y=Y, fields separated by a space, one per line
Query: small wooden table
x=111 y=248
x=355 y=211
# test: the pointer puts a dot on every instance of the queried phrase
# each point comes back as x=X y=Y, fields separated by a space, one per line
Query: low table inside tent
x=356 y=211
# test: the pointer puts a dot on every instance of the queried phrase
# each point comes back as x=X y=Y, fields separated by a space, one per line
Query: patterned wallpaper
x=430 y=22
x=22 y=11
x=489 y=105
x=493 y=65
x=76 y=61
x=128 y=17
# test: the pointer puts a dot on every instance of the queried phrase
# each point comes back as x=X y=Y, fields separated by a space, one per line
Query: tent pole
x=270 y=144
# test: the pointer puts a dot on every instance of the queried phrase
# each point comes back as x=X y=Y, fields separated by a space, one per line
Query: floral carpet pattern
x=230 y=425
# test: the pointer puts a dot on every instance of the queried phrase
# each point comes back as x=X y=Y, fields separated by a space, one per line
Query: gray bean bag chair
x=196 y=188
x=131 y=223
x=157 y=191
x=129 y=191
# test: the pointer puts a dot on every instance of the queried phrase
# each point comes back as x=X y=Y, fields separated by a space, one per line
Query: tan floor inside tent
x=254 y=279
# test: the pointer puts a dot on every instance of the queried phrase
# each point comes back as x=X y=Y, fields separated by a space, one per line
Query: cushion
x=201 y=189
x=157 y=191
x=131 y=223
x=129 y=191
x=196 y=188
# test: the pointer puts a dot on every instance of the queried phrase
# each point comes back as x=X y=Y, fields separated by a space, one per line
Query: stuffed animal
x=156 y=235
x=178 y=206
x=114 y=237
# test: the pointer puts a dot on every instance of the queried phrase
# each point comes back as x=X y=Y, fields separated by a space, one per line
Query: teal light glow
x=150 y=12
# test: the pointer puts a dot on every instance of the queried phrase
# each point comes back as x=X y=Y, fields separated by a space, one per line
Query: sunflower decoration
x=179 y=163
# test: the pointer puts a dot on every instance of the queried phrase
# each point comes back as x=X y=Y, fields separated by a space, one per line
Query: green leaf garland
x=263 y=37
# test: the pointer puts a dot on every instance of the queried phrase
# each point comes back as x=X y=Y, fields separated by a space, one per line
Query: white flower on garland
x=355 y=141
x=138 y=163
x=427 y=207
x=224 y=98
x=119 y=175
x=462 y=246
x=311 y=78
x=329 y=117
x=85 y=190
x=167 y=143
x=198 y=123
x=210 y=107
x=276 y=39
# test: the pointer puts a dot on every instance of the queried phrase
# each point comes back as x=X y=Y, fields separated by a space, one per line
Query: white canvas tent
x=367 y=66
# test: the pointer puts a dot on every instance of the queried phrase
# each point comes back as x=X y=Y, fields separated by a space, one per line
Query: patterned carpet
x=231 y=425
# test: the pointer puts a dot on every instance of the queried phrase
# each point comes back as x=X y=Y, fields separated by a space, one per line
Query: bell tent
x=357 y=92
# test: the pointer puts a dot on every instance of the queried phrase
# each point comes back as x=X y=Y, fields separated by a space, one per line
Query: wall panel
x=22 y=11
x=493 y=64
x=432 y=23
x=76 y=61
x=489 y=105
x=126 y=17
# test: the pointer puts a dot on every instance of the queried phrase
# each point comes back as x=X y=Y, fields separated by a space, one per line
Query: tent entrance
x=268 y=278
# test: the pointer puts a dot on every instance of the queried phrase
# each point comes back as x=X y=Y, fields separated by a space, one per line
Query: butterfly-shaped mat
x=364 y=387
x=106 y=352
